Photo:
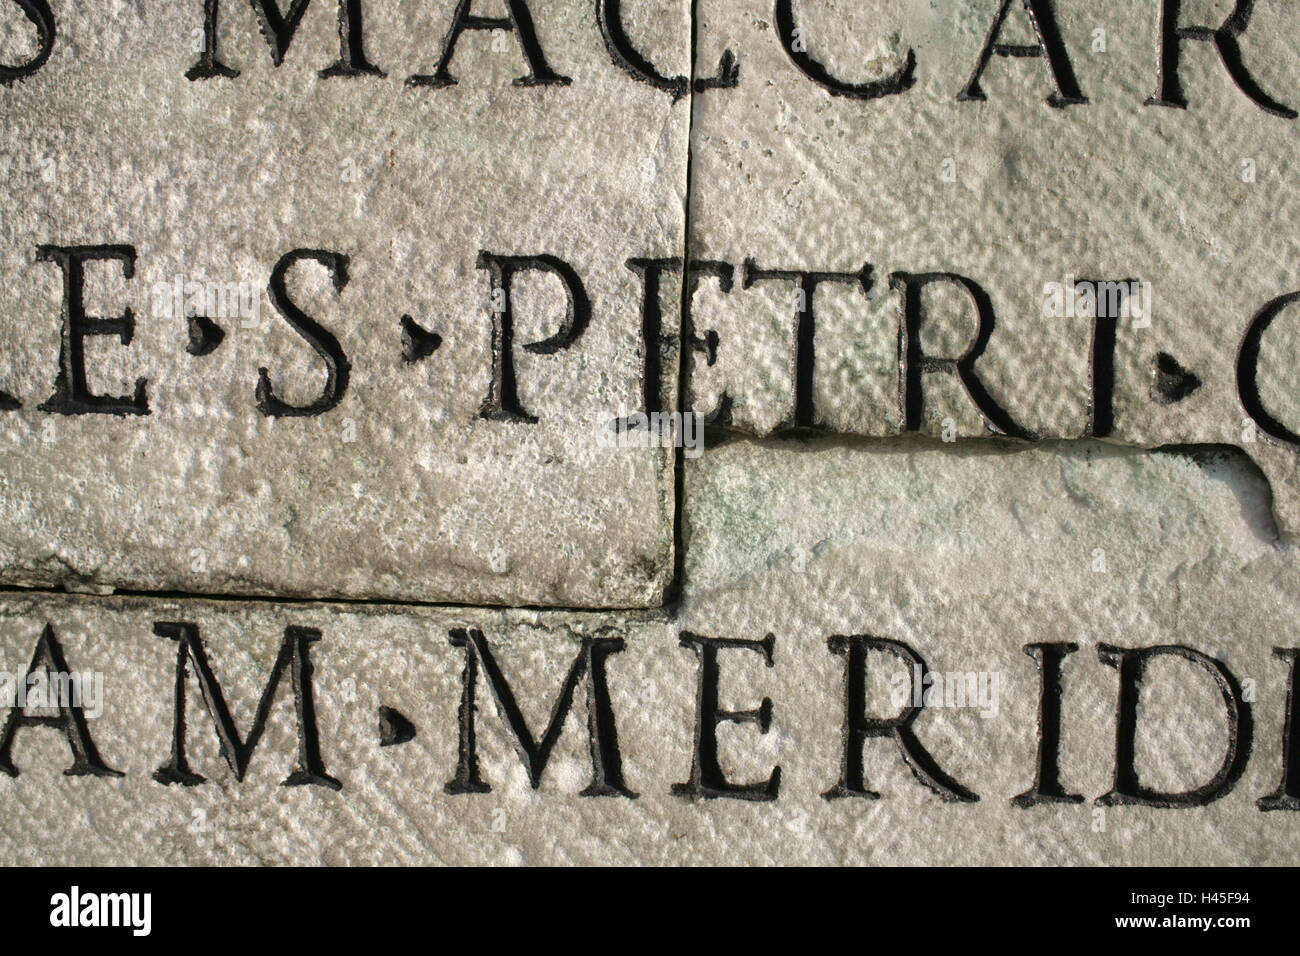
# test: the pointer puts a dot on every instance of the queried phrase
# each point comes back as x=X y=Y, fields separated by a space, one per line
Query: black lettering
x=1050 y=47
x=279 y=29
x=518 y=21
x=803 y=352
x=602 y=733
x=912 y=362
x=629 y=59
x=708 y=780
x=71 y=720
x=1111 y=298
x=38 y=11
x=1047 y=786
x=502 y=402
x=1169 y=88
x=1248 y=373
x=706 y=344
x=859 y=727
x=322 y=342
x=657 y=345
x=72 y=395
x=796 y=47
x=294 y=657
x=1127 y=788
x=1287 y=794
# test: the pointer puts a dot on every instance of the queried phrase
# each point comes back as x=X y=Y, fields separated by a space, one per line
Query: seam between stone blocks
x=673 y=591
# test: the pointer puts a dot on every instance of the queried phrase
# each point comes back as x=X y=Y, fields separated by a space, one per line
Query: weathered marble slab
x=359 y=410
x=793 y=555
x=983 y=562
x=858 y=173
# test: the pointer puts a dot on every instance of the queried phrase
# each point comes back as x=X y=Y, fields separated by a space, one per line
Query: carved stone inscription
x=510 y=441
x=275 y=322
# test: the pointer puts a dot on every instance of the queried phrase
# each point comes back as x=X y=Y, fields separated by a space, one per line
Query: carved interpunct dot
x=739 y=431
x=205 y=336
x=394 y=728
x=1172 y=383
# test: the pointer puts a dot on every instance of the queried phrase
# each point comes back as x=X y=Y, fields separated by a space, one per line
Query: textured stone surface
x=965 y=556
x=1010 y=193
x=964 y=551
x=402 y=490
x=969 y=555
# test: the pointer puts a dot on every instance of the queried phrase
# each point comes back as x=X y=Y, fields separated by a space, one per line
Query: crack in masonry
x=16 y=592
x=1238 y=461
x=666 y=609
x=675 y=591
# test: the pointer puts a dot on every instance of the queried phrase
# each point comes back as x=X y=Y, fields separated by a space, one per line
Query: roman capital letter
x=602 y=732
x=1287 y=794
x=519 y=21
x=803 y=358
x=912 y=362
x=708 y=780
x=657 y=345
x=1047 y=786
x=631 y=61
x=295 y=658
x=37 y=11
x=1050 y=47
x=859 y=727
x=71 y=718
x=279 y=29
x=1248 y=373
x=796 y=48
x=1127 y=788
x=706 y=344
x=1169 y=87
x=502 y=403
x=72 y=396
x=1101 y=353
x=322 y=342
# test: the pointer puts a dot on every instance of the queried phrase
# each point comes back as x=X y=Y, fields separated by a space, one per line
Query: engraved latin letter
x=1127 y=789
x=294 y=657
x=38 y=11
x=1248 y=373
x=502 y=402
x=322 y=342
x=1169 y=88
x=708 y=779
x=519 y=21
x=795 y=44
x=72 y=396
x=279 y=29
x=912 y=362
x=602 y=733
x=1050 y=47
x=859 y=727
x=48 y=661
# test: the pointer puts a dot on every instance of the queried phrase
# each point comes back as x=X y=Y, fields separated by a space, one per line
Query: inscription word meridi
x=893 y=734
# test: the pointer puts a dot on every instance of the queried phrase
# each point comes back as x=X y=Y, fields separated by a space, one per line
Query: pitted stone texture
x=402 y=491
x=1011 y=193
x=968 y=553
x=966 y=556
